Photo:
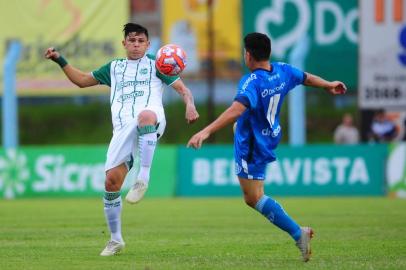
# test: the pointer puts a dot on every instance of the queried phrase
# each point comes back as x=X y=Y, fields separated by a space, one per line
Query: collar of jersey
x=259 y=69
x=135 y=61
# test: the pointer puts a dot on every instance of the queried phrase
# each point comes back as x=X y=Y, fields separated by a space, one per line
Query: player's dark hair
x=133 y=27
x=258 y=45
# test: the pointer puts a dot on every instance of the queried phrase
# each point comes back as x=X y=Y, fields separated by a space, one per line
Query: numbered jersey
x=258 y=130
x=135 y=84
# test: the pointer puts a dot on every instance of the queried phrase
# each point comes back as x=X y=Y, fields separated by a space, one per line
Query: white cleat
x=112 y=248
x=136 y=192
x=304 y=243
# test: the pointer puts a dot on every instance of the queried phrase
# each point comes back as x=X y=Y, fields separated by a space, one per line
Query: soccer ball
x=170 y=60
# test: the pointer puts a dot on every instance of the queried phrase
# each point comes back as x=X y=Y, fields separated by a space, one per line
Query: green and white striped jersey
x=135 y=84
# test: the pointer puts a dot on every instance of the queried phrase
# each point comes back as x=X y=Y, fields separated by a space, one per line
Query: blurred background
x=55 y=135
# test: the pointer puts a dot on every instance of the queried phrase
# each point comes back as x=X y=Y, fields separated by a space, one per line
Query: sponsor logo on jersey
x=271 y=132
x=271 y=92
x=143 y=71
x=274 y=77
x=132 y=84
x=250 y=79
x=125 y=97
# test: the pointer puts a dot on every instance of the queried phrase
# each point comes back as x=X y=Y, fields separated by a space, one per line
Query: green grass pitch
x=218 y=233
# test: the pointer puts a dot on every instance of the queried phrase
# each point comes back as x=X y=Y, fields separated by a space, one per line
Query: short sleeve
x=246 y=93
x=168 y=80
x=102 y=75
x=296 y=75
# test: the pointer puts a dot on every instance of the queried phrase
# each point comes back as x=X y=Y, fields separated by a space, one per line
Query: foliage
x=91 y=123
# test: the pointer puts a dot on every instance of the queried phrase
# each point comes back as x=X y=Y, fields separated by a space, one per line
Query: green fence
x=73 y=171
x=308 y=170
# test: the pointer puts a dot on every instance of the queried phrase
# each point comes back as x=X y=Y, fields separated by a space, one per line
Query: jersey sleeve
x=168 y=80
x=296 y=75
x=246 y=93
x=102 y=75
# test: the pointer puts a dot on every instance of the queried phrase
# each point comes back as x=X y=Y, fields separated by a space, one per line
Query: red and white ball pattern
x=170 y=60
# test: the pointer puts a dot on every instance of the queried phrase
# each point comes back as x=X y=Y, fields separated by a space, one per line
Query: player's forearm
x=183 y=92
x=227 y=117
x=187 y=96
x=78 y=77
x=316 y=81
x=75 y=75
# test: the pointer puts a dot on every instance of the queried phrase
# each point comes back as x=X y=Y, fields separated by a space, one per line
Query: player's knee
x=251 y=199
x=248 y=201
x=146 y=118
x=112 y=182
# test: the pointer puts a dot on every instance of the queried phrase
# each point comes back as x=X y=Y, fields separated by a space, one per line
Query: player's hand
x=191 y=114
x=197 y=140
x=337 y=88
x=52 y=54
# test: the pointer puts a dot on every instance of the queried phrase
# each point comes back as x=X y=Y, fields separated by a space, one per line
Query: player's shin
x=147 y=144
x=112 y=211
x=274 y=212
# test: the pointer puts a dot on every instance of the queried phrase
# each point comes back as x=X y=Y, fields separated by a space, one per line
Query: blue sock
x=274 y=212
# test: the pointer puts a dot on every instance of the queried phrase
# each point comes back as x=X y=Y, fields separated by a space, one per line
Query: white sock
x=147 y=144
x=112 y=211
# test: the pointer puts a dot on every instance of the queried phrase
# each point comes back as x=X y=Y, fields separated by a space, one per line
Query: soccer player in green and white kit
x=138 y=119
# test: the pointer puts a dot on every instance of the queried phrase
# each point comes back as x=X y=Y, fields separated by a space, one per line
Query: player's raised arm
x=191 y=113
x=78 y=77
x=335 y=87
x=227 y=117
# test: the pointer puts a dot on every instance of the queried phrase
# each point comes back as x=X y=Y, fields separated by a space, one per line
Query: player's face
x=136 y=45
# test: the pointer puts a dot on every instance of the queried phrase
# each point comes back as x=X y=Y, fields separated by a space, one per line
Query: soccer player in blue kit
x=256 y=108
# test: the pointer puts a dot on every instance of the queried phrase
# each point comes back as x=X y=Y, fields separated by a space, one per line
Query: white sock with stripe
x=112 y=211
x=147 y=145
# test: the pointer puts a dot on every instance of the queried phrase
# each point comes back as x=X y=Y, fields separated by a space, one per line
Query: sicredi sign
x=73 y=171
x=52 y=171
x=315 y=170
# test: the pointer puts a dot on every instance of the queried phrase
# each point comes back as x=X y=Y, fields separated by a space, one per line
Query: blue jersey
x=258 y=130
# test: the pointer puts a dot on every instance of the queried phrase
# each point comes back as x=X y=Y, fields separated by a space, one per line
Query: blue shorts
x=247 y=170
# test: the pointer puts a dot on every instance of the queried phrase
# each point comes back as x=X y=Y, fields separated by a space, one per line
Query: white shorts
x=123 y=144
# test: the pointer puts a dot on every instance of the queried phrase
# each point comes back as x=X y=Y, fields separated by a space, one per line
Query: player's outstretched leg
x=254 y=196
x=274 y=212
x=112 y=211
x=147 y=143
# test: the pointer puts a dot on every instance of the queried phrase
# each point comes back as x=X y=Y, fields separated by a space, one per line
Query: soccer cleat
x=136 y=192
x=112 y=248
x=304 y=243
